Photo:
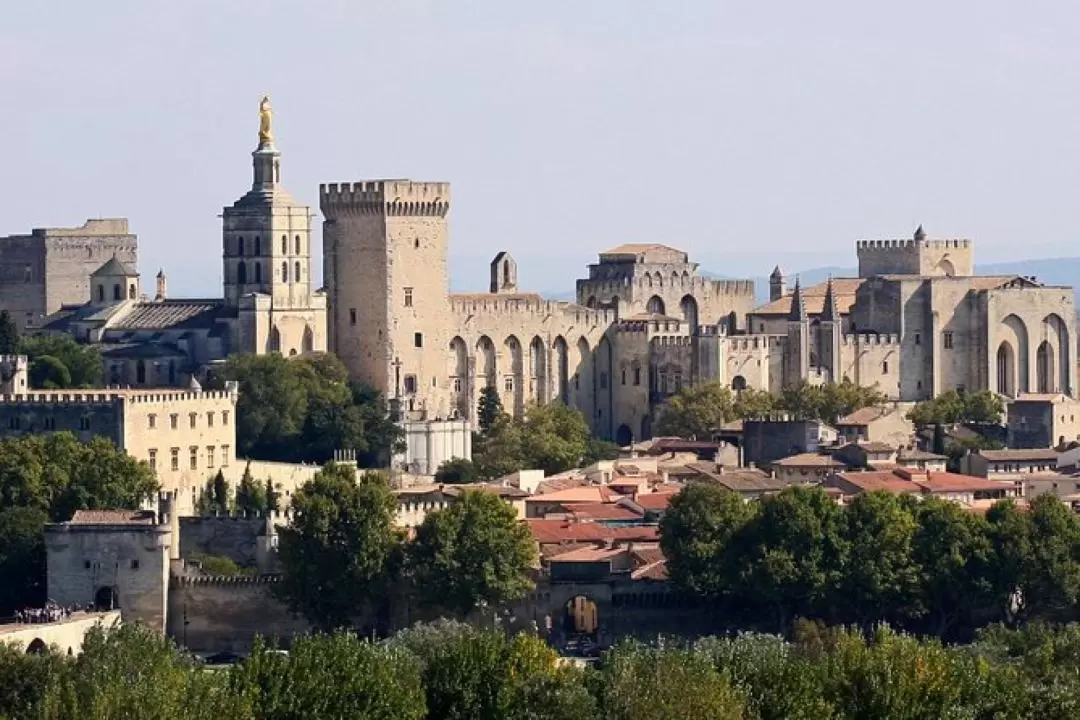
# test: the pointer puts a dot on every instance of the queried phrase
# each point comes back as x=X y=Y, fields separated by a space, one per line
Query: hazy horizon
x=748 y=135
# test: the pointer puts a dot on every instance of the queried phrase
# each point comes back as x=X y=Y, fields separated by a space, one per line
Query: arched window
x=258 y=245
x=240 y=245
x=284 y=245
x=131 y=292
x=116 y=292
x=284 y=272
x=296 y=275
x=101 y=293
x=258 y=271
x=241 y=273
x=297 y=244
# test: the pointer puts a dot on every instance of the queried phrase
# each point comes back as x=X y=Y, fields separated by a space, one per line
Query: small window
x=947 y=340
x=152 y=420
x=175 y=459
x=86 y=564
x=193 y=457
x=603 y=381
x=761 y=327
x=508 y=384
x=416 y=243
x=49 y=423
x=284 y=245
x=418 y=339
x=152 y=453
x=296 y=274
x=224 y=456
x=410 y=384
x=224 y=417
x=13 y=423
x=885 y=367
x=408 y=297
x=352 y=316
x=174 y=421
x=284 y=272
x=637 y=376
x=297 y=244
x=624 y=376
x=918 y=338
x=210 y=419
x=457 y=384
x=134 y=564
x=193 y=418
x=209 y=456
x=678 y=383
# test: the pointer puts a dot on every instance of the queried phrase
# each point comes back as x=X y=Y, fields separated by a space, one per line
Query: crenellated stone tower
x=266 y=261
x=384 y=264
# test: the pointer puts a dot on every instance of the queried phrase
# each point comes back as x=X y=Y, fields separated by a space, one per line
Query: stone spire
x=920 y=234
x=798 y=307
x=776 y=284
x=830 y=313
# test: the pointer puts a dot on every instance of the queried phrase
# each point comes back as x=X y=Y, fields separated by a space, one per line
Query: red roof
x=546 y=531
x=907 y=480
x=655 y=500
x=600 y=511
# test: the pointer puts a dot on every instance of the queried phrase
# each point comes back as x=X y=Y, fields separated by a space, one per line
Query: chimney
x=161 y=286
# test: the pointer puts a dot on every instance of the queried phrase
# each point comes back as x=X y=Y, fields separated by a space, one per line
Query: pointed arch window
x=241 y=273
x=284 y=245
x=284 y=271
x=297 y=242
x=117 y=294
x=240 y=245
x=258 y=245
x=258 y=271
x=296 y=274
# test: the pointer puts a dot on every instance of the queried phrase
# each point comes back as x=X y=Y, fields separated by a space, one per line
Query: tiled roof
x=600 y=511
x=814 y=298
x=546 y=531
x=527 y=297
x=556 y=483
x=148 y=349
x=871 y=447
x=809 y=460
x=654 y=501
x=113 y=267
x=905 y=480
x=113 y=517
x=583 y=494
x=652 y=571
x=864 y=416
x=62 y=319
x=171 y=314
x=1048 y=455
x=915 y=454
x=588 y=554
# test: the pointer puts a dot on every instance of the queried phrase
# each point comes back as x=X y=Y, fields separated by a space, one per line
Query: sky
x=746 y=133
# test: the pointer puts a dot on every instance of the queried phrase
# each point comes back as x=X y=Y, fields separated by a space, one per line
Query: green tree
x=792 y=554
x=753 y=404
x=327 y=677
x=250 y=494
x=22 y=558
x=695 y=535
x=598 y=450
x=952 y=549
x=472 y=554
x=456 y=471
x=340 y=555
x=939 y=439
x=9 y=334
x=273 y=496
x=880 y=579
x=959 y=407
x=48 y=373
x=554 y=438
x=82 y=362
x=1051 y=585
x=641 y=683
x=489 y=408
x=383 y=437
x=697 y=411
x=1009 y=532
x=498 y=451
x=845 y=397
x=271 y=407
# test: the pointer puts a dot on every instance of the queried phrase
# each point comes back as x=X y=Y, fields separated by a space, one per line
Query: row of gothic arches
x=536 y=372
x=1013 y=358
x=307 y=341
x=117 y=292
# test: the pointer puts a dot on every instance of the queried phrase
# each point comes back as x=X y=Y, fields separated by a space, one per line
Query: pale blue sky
x=748 y=133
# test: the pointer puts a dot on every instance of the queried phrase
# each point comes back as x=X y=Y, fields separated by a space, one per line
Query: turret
x=160 y=294
x=776 y=284
x=503 y=274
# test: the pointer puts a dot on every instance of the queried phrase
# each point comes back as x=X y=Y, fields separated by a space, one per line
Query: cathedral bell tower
x=266 y=260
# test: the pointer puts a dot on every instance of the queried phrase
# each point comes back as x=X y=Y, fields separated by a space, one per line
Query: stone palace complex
x=916 y=321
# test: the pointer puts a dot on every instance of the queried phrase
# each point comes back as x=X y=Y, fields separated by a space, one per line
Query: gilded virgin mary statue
x=265 y=116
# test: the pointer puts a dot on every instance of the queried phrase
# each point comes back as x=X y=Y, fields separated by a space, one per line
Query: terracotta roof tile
x=1020 y=455
x=600 y=511
x=864 y=416
x=814 y=298
x=113 y=517
x=559 y=531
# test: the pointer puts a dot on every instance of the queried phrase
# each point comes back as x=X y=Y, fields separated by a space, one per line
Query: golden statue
x=265 y=115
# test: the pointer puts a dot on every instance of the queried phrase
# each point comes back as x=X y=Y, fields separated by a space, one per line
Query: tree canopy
x=303 y=409
x=341 y=554
x=473 y=554
x=9 y=334
x=700 y=410
x=958 y=407
x=57 y=361
x=550 y=437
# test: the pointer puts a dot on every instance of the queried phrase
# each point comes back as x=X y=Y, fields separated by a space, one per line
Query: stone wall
x=236 y=538
x=71 y=255
x=210 y=615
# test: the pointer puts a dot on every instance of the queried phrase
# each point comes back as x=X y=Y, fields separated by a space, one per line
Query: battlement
x=672 y=341
x=494 y=303
x=385 y=197
x=270 y=579
x=105 y=227
x=114 y=395
x=870 y=339
x=909 y=244
x=684 y=284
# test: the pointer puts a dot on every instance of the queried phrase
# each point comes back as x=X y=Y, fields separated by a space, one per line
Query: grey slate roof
x=113 y=267
x=173 y=314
